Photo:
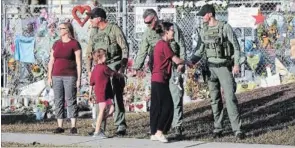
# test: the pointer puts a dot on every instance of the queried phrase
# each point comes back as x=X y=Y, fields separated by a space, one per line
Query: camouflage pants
x=222 y=77
x=177 y=97
x=118 y=88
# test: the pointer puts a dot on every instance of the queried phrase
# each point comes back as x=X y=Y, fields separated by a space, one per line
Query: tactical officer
x=149 y=39
x=222 y=51
x=110 y=37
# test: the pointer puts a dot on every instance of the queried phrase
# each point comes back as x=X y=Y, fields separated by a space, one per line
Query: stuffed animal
x=36 y=68
x=11 y=64
x=265 y=40
x=273 y=31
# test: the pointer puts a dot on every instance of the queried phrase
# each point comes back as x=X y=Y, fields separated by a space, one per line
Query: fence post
x=124 y=11
x=244 y=45
x=118 y=14
x=3 y=20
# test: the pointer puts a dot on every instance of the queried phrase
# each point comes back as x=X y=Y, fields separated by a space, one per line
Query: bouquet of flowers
x=41 y=109
x=193 y=88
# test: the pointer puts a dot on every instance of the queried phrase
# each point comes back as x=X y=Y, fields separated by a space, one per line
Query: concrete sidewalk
x=84 y=141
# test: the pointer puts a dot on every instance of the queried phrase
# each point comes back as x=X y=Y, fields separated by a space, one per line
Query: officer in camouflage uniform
x=110 y=37
x=149 y=40
x=222 y=51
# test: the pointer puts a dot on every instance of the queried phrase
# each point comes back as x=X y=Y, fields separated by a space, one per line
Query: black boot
x=241 y=136
x=178 y=131
x=121 y=131
x=217 y=135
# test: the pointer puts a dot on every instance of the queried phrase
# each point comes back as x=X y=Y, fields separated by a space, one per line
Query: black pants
x=161 y=111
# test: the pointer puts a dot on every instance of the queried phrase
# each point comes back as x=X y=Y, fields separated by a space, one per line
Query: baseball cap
x=97 y=12
x=206 y=9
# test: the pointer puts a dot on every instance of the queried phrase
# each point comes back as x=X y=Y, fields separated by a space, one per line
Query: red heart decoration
x=139 y=106
x=81 y=9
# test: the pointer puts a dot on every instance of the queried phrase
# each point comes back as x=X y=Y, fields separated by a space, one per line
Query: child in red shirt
x=100 y=79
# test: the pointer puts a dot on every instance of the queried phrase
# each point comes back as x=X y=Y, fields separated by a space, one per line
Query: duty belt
x=217 y=65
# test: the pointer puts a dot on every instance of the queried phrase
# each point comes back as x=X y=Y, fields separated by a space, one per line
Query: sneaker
x=99 y=135
x=154 y=138
x=58 y=130
x=93 y=131
x=161 y=138
x=73 y=130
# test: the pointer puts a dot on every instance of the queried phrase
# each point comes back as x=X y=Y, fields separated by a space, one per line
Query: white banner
x=242 y=17
x=33 y=89
x=139 y=21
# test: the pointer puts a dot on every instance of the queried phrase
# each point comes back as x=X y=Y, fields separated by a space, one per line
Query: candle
x=26 y=102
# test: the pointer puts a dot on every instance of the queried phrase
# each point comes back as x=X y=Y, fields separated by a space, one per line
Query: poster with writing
x=242 y=17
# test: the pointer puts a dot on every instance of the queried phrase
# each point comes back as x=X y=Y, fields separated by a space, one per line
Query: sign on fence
x=168 y=14
x=139 y=22
x=242 y=17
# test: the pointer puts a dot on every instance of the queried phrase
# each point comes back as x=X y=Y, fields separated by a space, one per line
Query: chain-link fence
x=33 y=21
x=266 y=47
x=269 y=44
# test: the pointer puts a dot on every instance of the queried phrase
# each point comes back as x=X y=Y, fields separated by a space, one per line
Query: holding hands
x=137 y=73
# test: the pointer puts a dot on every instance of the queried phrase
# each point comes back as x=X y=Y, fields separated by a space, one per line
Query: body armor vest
x=216 y=43
x=107 y=40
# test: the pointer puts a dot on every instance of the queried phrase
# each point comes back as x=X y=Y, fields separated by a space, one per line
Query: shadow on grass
x=31 y=118
x=262 y=111
x=22 y=118
x=273 y=117
x=274 y=111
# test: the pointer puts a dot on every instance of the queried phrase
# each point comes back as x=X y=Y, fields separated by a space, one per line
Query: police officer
x=222 y=51
x=110 y=37
x=149 y=40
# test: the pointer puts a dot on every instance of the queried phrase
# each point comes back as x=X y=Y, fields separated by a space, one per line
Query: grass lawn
x=268 y=117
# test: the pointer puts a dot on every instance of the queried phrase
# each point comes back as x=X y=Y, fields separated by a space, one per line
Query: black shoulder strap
x=221 y=30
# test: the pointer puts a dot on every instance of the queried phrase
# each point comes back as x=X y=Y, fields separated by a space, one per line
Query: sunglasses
x=93 y=17
x=149 y=22
x=61 y=28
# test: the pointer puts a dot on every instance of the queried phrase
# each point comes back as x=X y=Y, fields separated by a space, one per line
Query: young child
x=100 y=80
